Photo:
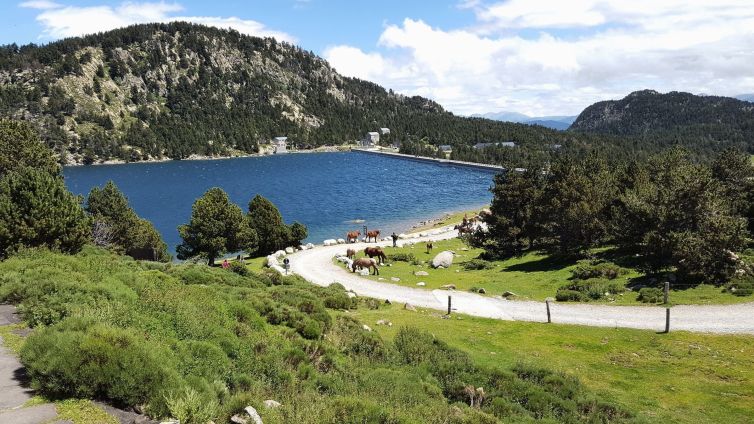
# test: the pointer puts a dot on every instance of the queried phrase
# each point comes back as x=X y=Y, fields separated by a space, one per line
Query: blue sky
x=539 y=57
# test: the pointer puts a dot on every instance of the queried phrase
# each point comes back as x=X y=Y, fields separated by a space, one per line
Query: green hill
x=173 y=90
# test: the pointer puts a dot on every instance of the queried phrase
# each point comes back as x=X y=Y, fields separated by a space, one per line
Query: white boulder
x=330 y=242
x=421 y=273
x=289 y=250
x=443 y=259
x=395 y=279
x=279 y=253
x=421 y=284
x=341 y=241
x=272 y=260
x=253 y=414
x=309 y=246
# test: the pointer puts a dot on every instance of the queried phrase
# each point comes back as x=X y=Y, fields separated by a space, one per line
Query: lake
x=324 y=191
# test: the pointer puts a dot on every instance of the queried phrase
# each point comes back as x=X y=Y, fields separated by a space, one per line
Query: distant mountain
x=746 y=97
x=555 y=122
x=175 y=90
x=703 y=123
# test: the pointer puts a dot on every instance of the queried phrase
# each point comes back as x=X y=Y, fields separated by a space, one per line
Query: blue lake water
x=322 y=190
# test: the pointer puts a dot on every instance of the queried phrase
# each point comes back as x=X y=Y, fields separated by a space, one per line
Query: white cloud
x=68 y=21
x=39 y=4
x=546 y=57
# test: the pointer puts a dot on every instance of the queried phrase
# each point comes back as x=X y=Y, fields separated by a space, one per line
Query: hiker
x=226 y=264
x=395 y=239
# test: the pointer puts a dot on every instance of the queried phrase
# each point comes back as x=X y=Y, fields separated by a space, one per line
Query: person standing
x=395 y=239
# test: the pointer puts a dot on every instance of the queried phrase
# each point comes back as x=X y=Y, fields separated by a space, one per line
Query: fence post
x=449 y=305
x=667 y=320
x=666 y=291
x=547 y=303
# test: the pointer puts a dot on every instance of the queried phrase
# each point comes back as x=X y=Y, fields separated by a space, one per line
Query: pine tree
x=216 y=227
x=37 y=210
x=20 y=147
x=265 y=219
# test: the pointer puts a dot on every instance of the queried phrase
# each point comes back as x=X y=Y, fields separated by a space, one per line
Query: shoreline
x=195 y=157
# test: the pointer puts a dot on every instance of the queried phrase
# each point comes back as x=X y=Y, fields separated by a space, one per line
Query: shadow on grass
x=547 y=263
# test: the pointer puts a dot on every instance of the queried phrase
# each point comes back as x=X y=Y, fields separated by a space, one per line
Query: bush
x=350 y=337
x=741 y=286
x=477 y=264
x=402 y=257
x=592 y=289
x=606 y=270
x=239 y=269
x=189 y=407
x=76 y=359
x=651 y=295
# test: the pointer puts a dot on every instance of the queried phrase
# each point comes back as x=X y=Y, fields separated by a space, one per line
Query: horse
x=464 y=229
x=376 y=251
x=353 y=236
x=350 y=253
x=429 y=246
x=373 y=234
x=367 y=263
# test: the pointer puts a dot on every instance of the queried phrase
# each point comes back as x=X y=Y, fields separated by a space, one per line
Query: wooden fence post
x=666 y=291
x=547 y=303
x=667 y=320
x=449 y=305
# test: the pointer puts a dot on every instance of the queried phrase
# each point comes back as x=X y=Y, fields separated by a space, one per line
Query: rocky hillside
x=173 y=90
x=700 y=122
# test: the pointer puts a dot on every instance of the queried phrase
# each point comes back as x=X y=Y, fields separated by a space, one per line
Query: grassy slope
x=532 y=276
x=680 y=377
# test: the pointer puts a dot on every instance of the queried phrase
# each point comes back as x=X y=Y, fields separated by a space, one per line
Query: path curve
x=316 y=266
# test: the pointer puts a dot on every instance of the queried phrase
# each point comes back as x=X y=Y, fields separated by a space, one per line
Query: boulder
x=366 y=327
x=421 y=284
x=279 y=253
x=330 y=242
x=309 y=246
x=395 y=279
x=449 y=287
x=443 y=259
x=421 y=273
x=303 y=247
x=253 y=414
x=341 y=241
x=482 y=291
x=409 y=307
x=272 y=260
x=238 y=419
x=289 y=250
x=384 y=322
x=364 y=272
x=508 y=294
x=271 y=404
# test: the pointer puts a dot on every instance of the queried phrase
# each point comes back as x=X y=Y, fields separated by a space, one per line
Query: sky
x=537 y=57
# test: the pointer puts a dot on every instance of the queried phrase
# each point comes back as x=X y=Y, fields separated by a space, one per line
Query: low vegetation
x=201 y=343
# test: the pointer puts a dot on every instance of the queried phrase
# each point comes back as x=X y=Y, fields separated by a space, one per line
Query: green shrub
x=188 y=406
x=350 y=337
x=650 y=295
x=402 y=257
x=477 y=264
x=77 y=359
x=608 y=270
x=741 y=286
x=592 y=289
x=239 y=269
x=356 y=410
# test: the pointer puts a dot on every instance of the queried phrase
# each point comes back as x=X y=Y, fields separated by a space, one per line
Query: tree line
x=37 y=210
x=670 y=212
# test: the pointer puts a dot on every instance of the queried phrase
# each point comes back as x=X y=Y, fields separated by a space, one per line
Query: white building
x=371 y=139
x=384 y=131
x=279 y=145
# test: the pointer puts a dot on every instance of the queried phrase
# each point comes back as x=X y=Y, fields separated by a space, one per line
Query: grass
x=533 y=276
x=678 y=377
x=10 y=339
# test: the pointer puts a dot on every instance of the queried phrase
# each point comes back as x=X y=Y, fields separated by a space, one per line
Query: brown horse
x=353 y=236
x=374 y=234
x=350 y=253
x=376 y=252
x=429 y=246
x=464 y=229
x=367 y=263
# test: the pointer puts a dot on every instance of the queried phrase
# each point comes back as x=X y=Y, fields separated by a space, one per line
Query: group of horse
x=469 y=225
x=368 y=263
x=353 y=236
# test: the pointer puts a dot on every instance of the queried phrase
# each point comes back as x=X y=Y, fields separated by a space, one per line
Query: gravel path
x=316 y=266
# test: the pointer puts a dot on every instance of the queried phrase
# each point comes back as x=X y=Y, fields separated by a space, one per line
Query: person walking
x=395 y=239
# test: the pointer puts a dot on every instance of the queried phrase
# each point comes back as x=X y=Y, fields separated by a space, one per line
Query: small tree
x=20 y=147
x=299 y=232
x=265 y=219
x=216 y=227
x=37 y=210
x=128 y=233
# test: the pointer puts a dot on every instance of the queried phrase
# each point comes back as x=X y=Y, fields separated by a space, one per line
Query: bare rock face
x=443 y=259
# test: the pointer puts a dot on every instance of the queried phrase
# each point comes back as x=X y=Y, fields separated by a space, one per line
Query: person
x=395 y=239
x=226 y=264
